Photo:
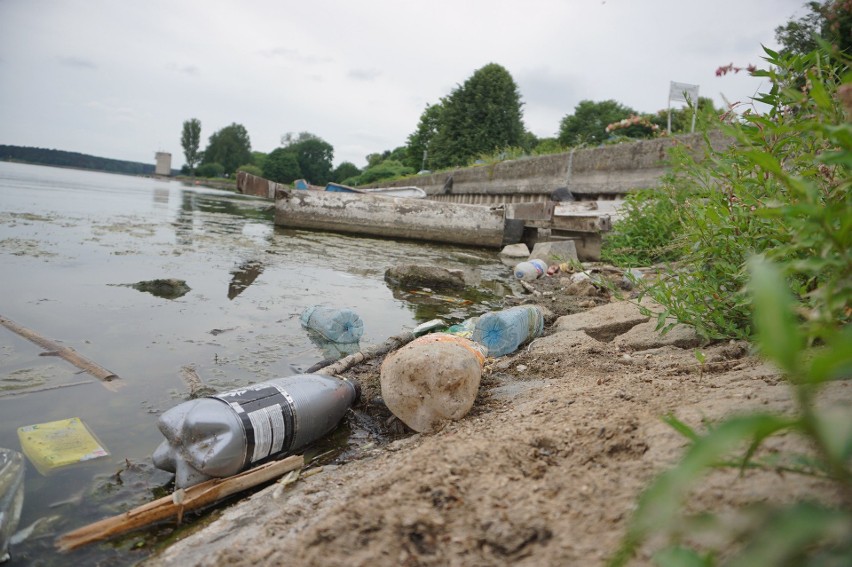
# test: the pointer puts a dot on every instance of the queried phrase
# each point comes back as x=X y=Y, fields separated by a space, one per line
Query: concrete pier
x=395 y=217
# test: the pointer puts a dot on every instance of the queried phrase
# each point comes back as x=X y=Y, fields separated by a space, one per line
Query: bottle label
x=266 y=412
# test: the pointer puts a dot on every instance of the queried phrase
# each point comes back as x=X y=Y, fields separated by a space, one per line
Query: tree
x=830 y=21
x=230 y=147
x=345 y=170
x=418 y=148
x=189 y=141
x=481 y=116
x=588 y=123
x=313 y=154
x=282 y=166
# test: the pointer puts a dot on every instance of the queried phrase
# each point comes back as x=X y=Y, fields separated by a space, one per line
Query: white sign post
x=683 y=92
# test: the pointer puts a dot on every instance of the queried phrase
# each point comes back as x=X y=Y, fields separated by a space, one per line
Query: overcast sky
x=117 y=78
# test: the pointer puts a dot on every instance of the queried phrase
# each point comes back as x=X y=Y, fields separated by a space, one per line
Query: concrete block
x=555 y=252
x=519 y=250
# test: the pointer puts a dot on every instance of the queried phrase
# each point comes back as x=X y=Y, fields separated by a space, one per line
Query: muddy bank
x=544 y=470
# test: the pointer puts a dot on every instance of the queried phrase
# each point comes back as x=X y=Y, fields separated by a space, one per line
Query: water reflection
x=243 y=276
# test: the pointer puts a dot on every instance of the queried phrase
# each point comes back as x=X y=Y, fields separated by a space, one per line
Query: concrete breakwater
x=591 y=174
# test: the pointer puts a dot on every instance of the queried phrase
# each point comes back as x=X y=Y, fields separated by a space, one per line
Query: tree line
x=478 y=120
x=60 y=158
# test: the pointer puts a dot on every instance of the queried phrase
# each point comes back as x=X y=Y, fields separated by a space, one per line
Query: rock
x=519 y=250
x=645 y=336
x=583 y=288
x=555 y=252
x=434 y=277
x=166 y=288
x=604 y=322
x=431 y=380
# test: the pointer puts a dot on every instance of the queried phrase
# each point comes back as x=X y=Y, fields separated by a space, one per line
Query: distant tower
x=164 y=164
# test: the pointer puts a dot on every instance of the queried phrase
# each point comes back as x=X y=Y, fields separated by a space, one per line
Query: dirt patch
x=545 y=469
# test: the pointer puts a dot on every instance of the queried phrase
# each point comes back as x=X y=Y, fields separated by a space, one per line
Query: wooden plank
x=177 y=503
x=540 y=210
x=590 y=221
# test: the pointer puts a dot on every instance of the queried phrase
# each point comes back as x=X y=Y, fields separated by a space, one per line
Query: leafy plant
x=801 y=533
x=770 y=218
x=648 y=231
x=782 y=188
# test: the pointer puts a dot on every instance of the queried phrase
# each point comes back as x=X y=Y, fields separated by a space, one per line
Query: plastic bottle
x=432 y=379
x=219 y=436
x=502 y=332
x=11 y=497
x=336 y=325
x=530 y=270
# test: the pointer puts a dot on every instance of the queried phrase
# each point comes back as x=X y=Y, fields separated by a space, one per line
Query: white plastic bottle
x=530 y=270
x=222 y=435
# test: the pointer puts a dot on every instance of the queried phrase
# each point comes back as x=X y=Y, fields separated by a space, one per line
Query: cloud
x=191 y=70
x=293 y=56
x=364 y=74
x=77 y=62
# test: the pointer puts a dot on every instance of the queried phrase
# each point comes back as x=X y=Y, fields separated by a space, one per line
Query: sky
x=117 y=78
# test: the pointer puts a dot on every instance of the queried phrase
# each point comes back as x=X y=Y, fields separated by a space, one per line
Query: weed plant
x=766 y=236
x=781 y=189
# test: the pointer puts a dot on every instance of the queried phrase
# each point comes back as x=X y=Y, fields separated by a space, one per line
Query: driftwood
x=348 y=362
x=175 y=504
x=109 y=379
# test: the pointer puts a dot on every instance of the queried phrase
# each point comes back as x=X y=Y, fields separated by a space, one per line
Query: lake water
x=71 y=241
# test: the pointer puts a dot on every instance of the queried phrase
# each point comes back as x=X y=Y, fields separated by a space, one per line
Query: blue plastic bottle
x=336 y=325
x=502 y=332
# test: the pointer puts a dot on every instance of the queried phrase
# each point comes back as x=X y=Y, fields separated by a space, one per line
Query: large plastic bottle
x=336 y=325
x=502 y=332
x=530 y=270
x=221 y=435
x=432 y=379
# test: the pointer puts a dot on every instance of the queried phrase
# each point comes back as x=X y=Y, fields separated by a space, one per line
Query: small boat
x=410 y=192
x=331 y=187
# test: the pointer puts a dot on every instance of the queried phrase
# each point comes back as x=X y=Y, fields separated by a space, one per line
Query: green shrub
x=782 y=189
x=648 y=231
x=251 y=169
x=210 y=170
x=773 y=221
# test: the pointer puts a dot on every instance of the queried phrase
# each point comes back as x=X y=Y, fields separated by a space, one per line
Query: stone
x=433 y=277
x=605 y=322
x=165 y=288
x=645 y=336
x=519 y=250
x=555 y=252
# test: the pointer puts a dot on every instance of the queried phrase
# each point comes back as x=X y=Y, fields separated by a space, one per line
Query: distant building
x=164 y=164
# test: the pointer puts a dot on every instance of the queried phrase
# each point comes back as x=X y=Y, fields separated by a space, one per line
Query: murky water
x=71 y=242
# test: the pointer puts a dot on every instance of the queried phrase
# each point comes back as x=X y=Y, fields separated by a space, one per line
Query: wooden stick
x=175 y=504
x=110 y=380
x=348 y=362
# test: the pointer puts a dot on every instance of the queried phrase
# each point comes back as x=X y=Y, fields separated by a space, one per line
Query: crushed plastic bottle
x=530 y=270
x=336 y=325
x=502 y=332
x=432 y=379
x=222 y=435
x=11 y=497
